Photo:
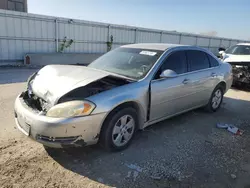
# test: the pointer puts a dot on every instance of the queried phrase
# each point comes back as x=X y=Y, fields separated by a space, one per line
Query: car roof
x=244 y=44
x=153 y=46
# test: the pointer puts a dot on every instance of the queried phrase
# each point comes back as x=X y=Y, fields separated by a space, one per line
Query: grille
x=57 y=139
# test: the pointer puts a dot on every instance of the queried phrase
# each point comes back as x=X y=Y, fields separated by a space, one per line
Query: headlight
x=71 y=109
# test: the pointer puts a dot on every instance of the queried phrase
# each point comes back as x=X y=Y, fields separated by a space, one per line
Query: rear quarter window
x=213 y=61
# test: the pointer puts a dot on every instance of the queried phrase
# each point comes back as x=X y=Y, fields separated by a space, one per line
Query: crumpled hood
x=236 y=58
x=53 y=81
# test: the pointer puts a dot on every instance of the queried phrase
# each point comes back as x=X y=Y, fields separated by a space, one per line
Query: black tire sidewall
x=106 y=135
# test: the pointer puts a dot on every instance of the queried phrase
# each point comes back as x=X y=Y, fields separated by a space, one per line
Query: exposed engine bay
x=94 y=88
x=41 y=106
x=241 y=73
x=34 y=102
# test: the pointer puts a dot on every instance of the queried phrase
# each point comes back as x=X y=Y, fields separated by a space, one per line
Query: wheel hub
x=216 y=100
x=123 y=130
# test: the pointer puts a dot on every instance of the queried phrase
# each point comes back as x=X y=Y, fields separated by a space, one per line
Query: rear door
x=201 y=77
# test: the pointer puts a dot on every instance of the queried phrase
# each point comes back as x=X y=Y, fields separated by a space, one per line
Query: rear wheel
x=119 y=129
x=215 y=99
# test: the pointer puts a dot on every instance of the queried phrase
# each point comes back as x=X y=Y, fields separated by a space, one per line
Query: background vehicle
x=126 y=89
x=239 y=57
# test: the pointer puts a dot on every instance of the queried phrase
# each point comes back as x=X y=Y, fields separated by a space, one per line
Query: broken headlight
x=71 y=109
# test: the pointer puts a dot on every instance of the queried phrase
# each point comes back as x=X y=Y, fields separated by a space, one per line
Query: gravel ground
x=185 y=151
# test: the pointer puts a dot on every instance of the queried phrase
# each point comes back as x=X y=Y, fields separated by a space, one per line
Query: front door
x=168 y=95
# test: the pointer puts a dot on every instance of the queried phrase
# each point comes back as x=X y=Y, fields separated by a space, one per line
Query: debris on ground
x=136 y=174
x=134 y=167
x=235 y=130
x=223 y=125
x=156 y=177
x=230 y=127
x=233 y=176
x=129 y=174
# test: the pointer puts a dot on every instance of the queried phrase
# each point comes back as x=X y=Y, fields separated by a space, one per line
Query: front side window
x=176 y=62
x=238 y=50
x=130 y=62
x=198 y=60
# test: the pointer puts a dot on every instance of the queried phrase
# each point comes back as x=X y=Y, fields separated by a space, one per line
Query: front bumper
x=57 y=132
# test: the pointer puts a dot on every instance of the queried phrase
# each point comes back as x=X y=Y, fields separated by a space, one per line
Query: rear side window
x=198 y=60
x=213 y=61
x=176 y=62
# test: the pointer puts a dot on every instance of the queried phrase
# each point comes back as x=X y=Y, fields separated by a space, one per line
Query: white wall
x=22 y=33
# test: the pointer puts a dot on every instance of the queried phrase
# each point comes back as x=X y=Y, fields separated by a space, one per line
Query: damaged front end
x=36 y=103
x=241 y=73
x=56 y=108
x=33 y=101
x=41 y=105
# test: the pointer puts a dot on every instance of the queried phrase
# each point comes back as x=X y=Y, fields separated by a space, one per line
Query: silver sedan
x=126 y=89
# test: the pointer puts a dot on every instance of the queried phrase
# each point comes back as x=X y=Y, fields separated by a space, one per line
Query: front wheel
x=119 y=129
x=215 y=100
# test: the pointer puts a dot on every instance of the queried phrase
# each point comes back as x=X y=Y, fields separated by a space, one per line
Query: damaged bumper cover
x=57 y=132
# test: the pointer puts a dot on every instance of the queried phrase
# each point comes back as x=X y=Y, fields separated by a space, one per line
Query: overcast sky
x=225 y=18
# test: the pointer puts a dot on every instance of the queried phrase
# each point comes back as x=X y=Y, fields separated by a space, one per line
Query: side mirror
x=168 y=74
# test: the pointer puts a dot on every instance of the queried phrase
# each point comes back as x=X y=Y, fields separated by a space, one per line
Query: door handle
x=186 y=81
x=213 y=74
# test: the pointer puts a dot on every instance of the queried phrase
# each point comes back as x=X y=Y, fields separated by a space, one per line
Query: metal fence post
x=220 y=42
x=135 y=40
x=56 y=34
x=196 y=39
x=108 y=32
x=161 y=37
x=180 y=39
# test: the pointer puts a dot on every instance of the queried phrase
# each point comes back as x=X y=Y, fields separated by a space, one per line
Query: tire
x=112 y=132
x=211 y=107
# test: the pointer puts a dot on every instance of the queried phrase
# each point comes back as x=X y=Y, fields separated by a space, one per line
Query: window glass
x=19 y=6
x=213 y=61
x=197 y=60
x=134 y=63
x=176 y=62
x=11 y=5
x=238 y=50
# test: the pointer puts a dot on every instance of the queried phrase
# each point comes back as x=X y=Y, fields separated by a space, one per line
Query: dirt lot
x=185 y=151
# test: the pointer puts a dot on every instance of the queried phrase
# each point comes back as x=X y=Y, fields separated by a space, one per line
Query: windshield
x=238 y=50
x=130 y=62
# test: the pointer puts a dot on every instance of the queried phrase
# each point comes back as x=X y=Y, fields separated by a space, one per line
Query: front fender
x=134 y=92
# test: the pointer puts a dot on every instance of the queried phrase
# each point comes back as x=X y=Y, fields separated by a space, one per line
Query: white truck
x=239 y=57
